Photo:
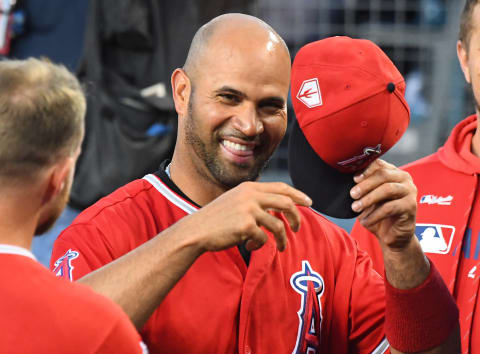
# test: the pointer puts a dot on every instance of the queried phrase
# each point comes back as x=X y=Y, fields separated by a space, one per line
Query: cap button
x=391 y=87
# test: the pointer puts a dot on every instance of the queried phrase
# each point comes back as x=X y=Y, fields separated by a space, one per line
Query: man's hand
x=240 y=215
x=386 y=198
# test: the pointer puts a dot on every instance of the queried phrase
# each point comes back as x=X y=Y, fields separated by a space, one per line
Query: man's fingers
x=277 y=196
x=250 y=207
x=256 y=241
x=375 y=165
x=386 y=210
x=298 y=197
x=366 y=184
x=283 y=204
x=252 y=245
x=366 y=212
x=385 y=192
x=275 y=226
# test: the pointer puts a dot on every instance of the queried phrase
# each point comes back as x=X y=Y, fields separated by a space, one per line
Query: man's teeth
x=235 y=146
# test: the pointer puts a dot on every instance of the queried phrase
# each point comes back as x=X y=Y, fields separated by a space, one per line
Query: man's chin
x=240 y=174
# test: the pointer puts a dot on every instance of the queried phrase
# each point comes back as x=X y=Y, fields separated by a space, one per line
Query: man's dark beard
x=217 y=170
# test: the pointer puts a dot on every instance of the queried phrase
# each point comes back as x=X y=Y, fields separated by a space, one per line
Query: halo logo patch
x=309 y=93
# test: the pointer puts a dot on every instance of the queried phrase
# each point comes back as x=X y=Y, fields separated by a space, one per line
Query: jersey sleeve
x=79 y=250
x=368 y=243
x=367 y=308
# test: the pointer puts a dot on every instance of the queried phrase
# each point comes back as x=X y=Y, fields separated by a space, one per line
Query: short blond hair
x=42 y=115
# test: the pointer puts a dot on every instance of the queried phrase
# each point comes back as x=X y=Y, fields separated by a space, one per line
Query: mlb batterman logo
x=435 y=238
x=310 y=94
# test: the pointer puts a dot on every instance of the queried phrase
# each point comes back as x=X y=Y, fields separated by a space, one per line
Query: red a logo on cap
x=310 y=94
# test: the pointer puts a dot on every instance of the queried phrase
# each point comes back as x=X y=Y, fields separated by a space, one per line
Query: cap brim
x=328 y=188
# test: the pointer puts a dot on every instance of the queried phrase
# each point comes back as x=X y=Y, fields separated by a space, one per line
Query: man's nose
x=248 y=121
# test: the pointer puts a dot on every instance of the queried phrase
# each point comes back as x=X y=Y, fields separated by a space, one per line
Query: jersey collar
x=172 y=186
x=165 y=179
x=11 y=249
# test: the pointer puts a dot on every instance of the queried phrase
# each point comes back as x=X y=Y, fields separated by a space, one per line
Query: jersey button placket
x=248 y=350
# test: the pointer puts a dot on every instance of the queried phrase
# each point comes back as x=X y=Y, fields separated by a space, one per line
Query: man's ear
x=181 y=87
x=462 y=54
x=57 y=178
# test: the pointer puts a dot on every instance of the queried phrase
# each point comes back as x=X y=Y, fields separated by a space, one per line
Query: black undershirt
x=165 y=179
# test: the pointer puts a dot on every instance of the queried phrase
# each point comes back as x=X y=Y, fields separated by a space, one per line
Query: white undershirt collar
x=11 y=249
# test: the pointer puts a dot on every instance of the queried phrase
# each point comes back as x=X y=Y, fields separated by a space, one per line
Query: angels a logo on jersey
x=310 y=285
x=63 y=265
x=435 y=238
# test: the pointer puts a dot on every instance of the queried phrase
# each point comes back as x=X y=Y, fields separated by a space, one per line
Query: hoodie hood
x=456 y=153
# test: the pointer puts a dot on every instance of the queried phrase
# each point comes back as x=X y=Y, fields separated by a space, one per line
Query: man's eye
x=230 y=97
x=271 y=108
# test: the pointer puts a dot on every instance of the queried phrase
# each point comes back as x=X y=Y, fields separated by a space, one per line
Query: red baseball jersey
x=320 y=295
x=448 y=224
x=40 y=313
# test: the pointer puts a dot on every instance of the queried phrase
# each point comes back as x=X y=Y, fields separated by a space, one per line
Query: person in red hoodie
x=448 y=215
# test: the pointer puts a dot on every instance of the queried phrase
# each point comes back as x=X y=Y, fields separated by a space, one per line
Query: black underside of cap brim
x=328 y=188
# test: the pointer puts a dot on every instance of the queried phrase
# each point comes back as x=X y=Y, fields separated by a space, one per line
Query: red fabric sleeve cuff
x=421 y=318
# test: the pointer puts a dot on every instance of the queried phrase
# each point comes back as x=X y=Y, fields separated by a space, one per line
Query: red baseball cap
x=349 y=101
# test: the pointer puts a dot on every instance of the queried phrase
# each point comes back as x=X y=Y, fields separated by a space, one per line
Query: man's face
x=470 y=57
x=237 y=112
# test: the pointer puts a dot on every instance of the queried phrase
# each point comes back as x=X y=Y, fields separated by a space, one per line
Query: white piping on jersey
x=382 y=347
x=144 y=348
x=11 y=249
x=167 y=193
